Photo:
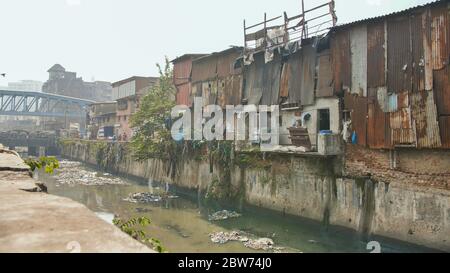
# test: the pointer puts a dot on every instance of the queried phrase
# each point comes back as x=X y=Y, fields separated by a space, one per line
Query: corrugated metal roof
x=405 y=11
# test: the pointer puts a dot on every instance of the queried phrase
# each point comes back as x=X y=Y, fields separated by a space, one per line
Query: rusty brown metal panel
x=403 y=100
x=442 y=90
x=418 y=52
x=427 y=50
x=376 y=55
x=399 y=55
x=439 y=36
x=271 y=81
x=225 y=62
x=341 y=61
x=284 y=82
x=444 y=125
x=253 y=74
x=308 y=75
x=401 y=127
x=324 y=76
x=204 y=69
x=378 y=127
x=182 y=71
x=229 y=91
x=184 y=94
x=358 y=108
x=425 y=118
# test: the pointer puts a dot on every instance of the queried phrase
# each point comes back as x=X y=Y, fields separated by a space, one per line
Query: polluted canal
x=185 y=224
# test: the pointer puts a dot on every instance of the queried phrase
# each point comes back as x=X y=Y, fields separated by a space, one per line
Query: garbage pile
x=146 y=197
x=72 y=173
x=223 y=215
x=143 y=197
x=265 y=244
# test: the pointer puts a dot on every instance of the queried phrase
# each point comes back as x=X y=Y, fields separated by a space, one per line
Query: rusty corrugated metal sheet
x=284 y=82
x=184 y=94
x=324 y=76
x=204 y=69
x=439 y=37
x=399 y=56
x=229 y=91
x=403 y=100
x=271 y=81
x=376 y=55
x=378 y=127
x=358 y=107
x=444 y=126
x=253 y=75
x=418 y=54
x=427 y=50
x=401 y=127
x=225 y=62
x=182 y=71
x=302 y=73
x=308 y=75
x=442 y=90
x=424 y=115
x=341 y=61
x=358 y=47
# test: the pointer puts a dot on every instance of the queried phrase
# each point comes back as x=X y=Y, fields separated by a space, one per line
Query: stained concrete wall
x=313 y=187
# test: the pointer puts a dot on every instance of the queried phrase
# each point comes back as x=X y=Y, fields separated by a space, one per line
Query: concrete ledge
x=42 y=223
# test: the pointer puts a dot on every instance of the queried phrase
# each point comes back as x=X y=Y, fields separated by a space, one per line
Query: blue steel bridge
x=37 y=104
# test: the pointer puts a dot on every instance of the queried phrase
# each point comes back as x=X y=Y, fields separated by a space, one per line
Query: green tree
x=152 y=138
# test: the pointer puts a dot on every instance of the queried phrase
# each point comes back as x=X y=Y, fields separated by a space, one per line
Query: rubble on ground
x=223 y=215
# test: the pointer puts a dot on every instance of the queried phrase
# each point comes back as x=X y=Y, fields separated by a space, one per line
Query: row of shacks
x=388 y=75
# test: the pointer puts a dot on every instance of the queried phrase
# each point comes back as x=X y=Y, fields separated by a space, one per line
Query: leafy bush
x=49 y=163
x=131 y=226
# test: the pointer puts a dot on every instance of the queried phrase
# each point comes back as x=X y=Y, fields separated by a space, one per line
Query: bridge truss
x=24 y=103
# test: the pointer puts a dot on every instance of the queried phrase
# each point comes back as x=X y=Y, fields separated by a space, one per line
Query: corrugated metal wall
x=376 y=51
x=399 y=55
x=341 y=61
x=324 y=76
x=408 y=84
x=358 y=48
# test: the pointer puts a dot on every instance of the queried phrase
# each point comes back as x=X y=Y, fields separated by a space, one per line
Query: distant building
x=25 y=85
x=102 y=118
x=62 y=82
x=128 y=93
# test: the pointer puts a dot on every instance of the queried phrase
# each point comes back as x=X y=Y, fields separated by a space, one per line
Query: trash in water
x=265 y=244
x=225 y=237
x=71 y=173
x=143 y=197
x=223 y=215
x=260 y=244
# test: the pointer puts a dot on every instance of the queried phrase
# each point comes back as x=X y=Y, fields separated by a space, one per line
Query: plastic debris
x=223 y=215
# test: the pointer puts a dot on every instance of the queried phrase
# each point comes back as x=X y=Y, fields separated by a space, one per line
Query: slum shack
x=393 y=73
x=182 y=71
x=287 y=66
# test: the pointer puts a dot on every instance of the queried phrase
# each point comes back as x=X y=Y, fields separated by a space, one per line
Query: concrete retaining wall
x=311 y=187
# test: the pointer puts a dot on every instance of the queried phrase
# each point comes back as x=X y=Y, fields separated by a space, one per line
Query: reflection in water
x=182 y=225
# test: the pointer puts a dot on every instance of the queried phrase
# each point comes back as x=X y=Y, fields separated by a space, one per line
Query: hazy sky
x=114 y=39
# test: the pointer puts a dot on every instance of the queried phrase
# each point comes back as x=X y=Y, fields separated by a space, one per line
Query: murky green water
x=182 y=224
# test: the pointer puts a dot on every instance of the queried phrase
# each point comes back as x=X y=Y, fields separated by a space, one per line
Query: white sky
x=114 y=39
